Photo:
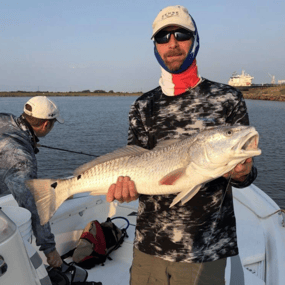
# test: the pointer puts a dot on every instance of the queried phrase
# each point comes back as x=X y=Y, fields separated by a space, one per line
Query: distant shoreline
x=273 y=93
x=64 y=94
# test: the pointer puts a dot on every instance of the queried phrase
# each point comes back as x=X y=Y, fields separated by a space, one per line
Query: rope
x=260 y=217
x=56 y=148
x=219 y=212
x=215 y=223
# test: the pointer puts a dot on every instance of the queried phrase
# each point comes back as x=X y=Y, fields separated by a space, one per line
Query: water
x=98 y=125
x=268 y=118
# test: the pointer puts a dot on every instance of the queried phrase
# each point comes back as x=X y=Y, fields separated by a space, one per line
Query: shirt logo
x=207 y=120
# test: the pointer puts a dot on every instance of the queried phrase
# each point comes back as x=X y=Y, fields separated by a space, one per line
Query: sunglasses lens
x=163 y=37
x=183 y=36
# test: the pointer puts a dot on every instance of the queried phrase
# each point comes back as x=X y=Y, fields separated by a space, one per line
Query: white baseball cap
x=43 y=108
x=173 y=15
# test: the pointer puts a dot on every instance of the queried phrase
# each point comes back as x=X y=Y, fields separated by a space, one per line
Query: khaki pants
x=149 y=270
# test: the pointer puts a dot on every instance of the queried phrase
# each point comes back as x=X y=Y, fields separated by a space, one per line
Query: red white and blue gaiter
x=176 y=84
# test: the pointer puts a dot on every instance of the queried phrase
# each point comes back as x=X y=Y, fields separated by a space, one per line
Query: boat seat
x=252 y=279
x=8 y=200
x=236 y=274
x=251 y=242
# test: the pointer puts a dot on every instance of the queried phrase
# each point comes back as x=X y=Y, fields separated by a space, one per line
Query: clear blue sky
x=60 y=45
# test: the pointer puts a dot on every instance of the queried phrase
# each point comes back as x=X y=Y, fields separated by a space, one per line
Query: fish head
x=226 y=146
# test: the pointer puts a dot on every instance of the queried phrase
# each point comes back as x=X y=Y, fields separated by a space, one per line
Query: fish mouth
x=249 y=144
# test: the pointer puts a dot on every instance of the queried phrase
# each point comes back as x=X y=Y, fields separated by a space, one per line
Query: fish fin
x=186 y=195
x=172 y=177
x=45 y=197
x=166 y=143
x=129 y=150
x=191 y=194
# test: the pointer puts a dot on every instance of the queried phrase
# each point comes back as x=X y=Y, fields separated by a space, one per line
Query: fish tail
x=44 y=194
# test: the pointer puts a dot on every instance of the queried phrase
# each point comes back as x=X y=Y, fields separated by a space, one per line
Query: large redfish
x=180 y=165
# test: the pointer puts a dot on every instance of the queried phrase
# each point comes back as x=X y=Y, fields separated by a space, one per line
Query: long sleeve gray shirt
x=17 y=164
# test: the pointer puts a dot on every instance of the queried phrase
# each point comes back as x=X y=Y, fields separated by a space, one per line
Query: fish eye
x=229 y=133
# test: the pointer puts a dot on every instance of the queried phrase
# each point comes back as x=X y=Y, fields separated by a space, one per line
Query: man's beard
x=174 y=65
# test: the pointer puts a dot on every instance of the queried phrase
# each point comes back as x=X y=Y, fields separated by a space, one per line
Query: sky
x=72 y=45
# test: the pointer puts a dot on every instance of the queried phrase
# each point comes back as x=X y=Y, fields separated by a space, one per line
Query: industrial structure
x=240 y=80
x=272 y=78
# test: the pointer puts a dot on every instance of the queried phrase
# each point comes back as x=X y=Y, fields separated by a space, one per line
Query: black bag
x=69 y=274
x=97 y=241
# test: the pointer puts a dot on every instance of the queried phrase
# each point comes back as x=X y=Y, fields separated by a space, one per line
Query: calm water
x=98 y=125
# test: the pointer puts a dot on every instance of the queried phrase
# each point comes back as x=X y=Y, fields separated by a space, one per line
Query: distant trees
x=96 y=91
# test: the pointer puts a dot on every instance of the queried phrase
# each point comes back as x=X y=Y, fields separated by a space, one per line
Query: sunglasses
x=180 y=35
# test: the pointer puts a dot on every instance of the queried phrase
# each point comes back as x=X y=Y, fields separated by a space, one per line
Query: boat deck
x=260 y=231
x=251 y=242
x=116 y=271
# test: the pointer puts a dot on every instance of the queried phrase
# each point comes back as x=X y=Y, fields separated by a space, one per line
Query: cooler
x=22 y=218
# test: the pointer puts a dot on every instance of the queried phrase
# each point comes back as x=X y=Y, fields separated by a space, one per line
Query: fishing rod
x=41 y=145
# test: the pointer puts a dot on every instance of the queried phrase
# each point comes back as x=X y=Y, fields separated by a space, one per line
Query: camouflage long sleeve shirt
x=17 y=164
x=199 y=231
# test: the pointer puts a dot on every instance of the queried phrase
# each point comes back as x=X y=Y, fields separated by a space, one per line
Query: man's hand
x=123 y=191
x=240 y=172
x=54 y=259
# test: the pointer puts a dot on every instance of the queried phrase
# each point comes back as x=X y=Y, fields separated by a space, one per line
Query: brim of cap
x=60 y=119
x=170 y=22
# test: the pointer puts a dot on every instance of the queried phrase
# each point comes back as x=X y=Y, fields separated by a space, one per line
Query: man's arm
x=20 y=165
x=244 y=173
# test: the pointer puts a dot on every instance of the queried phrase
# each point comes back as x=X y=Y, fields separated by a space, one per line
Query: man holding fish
x=18 y=138
x=188 y=136
x=189 y=243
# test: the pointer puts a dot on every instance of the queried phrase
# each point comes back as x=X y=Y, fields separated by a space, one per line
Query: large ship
x=240 y=80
